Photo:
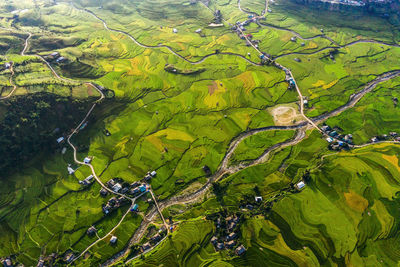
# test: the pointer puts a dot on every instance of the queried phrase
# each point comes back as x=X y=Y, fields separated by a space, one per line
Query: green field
x=178 y=122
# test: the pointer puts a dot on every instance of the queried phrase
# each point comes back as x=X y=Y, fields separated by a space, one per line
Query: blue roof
x=142 y=188
x=135 y=207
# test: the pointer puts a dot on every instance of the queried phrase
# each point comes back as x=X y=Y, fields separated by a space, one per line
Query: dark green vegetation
x=178 y=112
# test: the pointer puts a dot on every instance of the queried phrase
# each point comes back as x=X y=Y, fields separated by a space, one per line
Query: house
x=297 y=59
x=258 y=199
x=249 y=206
x=135 y=208
x=143 y=188
x=293 y=39
x=240 y=250
x=175 y=30
x=7 y=263
x=230 y=244
x=325 y=128
x=300 y=185
x=147 y=178
x=124 y=190
x=7 y=65
x=393 y=134
x=117 y=187
x=220 y=246
x=87 y=160
x=40 y=263
x=60 y=59
x=70 y=170
x=333 y=134
x=103 y=192
x=69 y=257
x=113 y=239
x=156 y=238
x=55 y=54
x=110 y=183
x=214 y=240
x=135 y=191
x=91 y=231
x=302 y=44
x=63 y=150
x=198 y=31
x=135 y=184
x=153 y=173
x=83 y=126
x=60 y=139
x=146 y=246
x=231 y=236
x=374 y=139
x=329 y=139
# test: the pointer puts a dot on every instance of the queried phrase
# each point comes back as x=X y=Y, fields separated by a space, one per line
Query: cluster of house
x=113 y=204
x=154 y=240
x=239 y=28
x=337 y=141
x=229 y=241
x=345 y=2
x=392 y=136
x=55 y=56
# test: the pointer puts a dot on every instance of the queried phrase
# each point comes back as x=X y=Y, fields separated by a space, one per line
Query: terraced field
x=174 y=89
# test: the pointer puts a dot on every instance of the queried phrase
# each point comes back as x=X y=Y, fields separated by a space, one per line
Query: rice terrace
x=199 y=133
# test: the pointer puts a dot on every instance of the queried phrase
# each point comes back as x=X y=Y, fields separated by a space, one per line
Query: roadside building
x=60 y=139
x=214 y=240
x=146 y=246
x=155 y=238
x=329 y=139
x=117 y=187
x=135 y=208
x=91 y=231
x=87 y=160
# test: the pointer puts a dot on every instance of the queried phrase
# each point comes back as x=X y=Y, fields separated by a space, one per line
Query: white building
x=300 y=185
x=175 y=30
x=153 y=173
x=87 y=160
x=60 y=139
x=70 y=170
x=116 y=187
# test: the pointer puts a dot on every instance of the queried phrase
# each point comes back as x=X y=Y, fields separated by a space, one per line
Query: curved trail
x=11 y=83
x=26 y=44
x=12 y=69
x=336 y=47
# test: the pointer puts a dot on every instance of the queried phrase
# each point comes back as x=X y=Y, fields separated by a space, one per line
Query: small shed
x=113 y=239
